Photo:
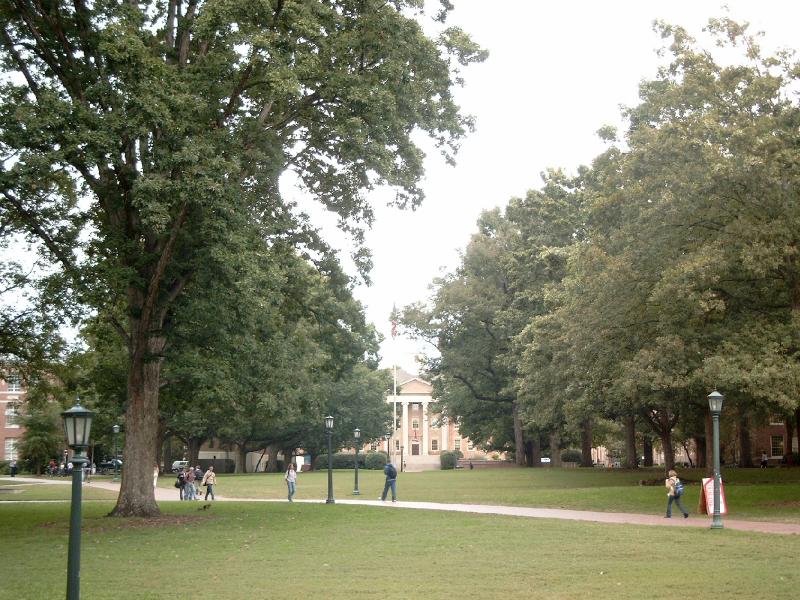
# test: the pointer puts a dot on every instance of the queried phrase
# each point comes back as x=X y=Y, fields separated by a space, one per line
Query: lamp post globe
x=329 y=431
x=715 y=400
x=77 y=427
x=357 y=438
x=115 y=429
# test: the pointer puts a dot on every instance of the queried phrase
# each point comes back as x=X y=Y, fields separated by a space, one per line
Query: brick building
x=11 y=398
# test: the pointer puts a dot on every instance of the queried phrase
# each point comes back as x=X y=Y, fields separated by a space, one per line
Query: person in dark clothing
x=391 y=482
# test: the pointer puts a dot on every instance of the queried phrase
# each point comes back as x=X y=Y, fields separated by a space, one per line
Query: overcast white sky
x=557 y=72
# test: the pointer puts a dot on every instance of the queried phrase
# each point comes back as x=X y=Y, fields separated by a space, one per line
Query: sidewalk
x=171 y=495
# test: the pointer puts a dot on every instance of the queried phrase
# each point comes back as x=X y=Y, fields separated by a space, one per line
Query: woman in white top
x=291 y=480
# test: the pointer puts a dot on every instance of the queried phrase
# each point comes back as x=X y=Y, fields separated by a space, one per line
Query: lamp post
x=715 y=400
x=357 y=437
x=115 y=429
x=401 y=457
x=77 y=426
x=388 y=442
x=329 y=431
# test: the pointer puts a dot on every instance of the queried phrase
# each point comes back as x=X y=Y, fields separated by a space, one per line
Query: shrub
x=571 y=455
x=4 y=467
x=449 y=460
x=341 y=460
x=374 y=460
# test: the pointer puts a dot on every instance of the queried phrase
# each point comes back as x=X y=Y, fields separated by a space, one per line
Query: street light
x=357 y=436
x=77 y=426
x=715 y=400
x=115 y=429
x=329 y=431
x=388 y=441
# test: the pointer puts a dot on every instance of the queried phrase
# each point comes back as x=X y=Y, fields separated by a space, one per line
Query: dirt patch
x=782 y=504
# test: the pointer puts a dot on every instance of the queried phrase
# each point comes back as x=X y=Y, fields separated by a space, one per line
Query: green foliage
x=375 y=461
x=341 y=460
x=571 y=455
x=43 y=437
x=449 y=459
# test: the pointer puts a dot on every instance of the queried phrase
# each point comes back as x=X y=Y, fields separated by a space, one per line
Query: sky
x=556 y=73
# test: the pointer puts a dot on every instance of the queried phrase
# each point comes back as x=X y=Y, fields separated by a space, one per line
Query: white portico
x=421 y=434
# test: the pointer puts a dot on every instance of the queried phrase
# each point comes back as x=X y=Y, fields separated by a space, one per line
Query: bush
x=374 y=461
x=571 y=455
x=4 y=467
x=341 y=460
x=449 y=460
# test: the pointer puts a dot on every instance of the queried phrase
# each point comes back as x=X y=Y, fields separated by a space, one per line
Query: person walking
x=188 y=488
x=291 y=480
x=14 y=468
x=674 y=493
x=764 y=459
x=180 y=482
x=198 y=476
x=155 y=475
x=210 y=480
x=391 y=482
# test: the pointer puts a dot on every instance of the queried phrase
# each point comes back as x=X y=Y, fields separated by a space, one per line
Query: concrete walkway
x=171 y=495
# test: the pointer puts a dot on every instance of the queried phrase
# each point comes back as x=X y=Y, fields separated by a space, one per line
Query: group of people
x=190 y=480
x=390 y=484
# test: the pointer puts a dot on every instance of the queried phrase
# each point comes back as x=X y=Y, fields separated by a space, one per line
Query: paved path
x=171 y=495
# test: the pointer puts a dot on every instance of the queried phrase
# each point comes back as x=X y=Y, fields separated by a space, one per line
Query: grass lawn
x=253 y=551
x=37 y=491
x=769 y=494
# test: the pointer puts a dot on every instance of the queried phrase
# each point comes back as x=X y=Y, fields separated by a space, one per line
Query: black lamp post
x=357 y=437
x=715 y=400
x=329 y=431
x=115 y=429
x=388 y=448
x=77 y=426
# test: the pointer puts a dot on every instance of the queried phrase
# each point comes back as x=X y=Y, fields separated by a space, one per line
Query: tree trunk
x=647 y=450
x=272 y=461
x=288 y=457
x=193 y=446
x=586 y=444
x=669 y=451
x=136 y=496
x=745 y=445
x=535 y=451
x=519 y=440
x=241 y=458
x=700 y=452
x=709 y=427
x=631 y=458
x=555 y=448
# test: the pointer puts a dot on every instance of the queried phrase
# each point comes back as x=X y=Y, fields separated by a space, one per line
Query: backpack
x=678 y=488
x=391 y=472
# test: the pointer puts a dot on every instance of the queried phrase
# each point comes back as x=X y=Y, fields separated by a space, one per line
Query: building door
x=415 y=449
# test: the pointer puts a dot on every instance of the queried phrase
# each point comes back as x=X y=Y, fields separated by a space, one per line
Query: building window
x=11 y=449
x=373 y=446
x=777 y=445
x=14 y=384
x=457 y=444
x=434 y=445
x=397 y=444
x=470 y=446
x=414 y=423
x=12 y=415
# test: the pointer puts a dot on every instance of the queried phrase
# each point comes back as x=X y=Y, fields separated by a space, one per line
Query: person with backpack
x=209 y=481
x=198 y=476
x=180 y=483
x=674 y=494
x=291 y=480
x=391 y=482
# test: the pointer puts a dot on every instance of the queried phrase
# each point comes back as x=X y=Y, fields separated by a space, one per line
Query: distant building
x=421 y=433
x=12 y=397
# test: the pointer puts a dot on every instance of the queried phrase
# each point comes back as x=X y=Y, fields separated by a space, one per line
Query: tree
x=148 y=135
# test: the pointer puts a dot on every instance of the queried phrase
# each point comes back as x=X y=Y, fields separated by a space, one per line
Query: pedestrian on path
x=674 y=492
x=155 y=475
x=291 y=480
x=14 y=468
x=198 y=476
x=391 y=482
x=180 y=483
x=188 y=489
x=210 y=480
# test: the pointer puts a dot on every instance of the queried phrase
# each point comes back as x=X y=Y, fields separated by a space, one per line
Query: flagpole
x=390 y=453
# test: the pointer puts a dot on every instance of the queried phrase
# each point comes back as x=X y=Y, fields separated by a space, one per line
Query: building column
x=425 y=430
x=404 y=434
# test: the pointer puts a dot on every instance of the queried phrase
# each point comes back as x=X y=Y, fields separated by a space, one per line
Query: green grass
x=36 y=491
x=770 y=494
x=251 y=551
